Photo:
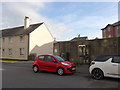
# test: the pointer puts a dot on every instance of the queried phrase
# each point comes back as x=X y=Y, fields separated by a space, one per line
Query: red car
x=53 y=63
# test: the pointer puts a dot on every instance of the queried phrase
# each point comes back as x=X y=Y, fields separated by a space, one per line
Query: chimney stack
x=78 y=35
x=26 y=22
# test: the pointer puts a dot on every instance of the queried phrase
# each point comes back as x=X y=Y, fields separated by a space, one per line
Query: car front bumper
x=70 y=70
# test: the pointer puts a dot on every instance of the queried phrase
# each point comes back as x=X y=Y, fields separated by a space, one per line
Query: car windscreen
x=59 y=58
x=102 y=58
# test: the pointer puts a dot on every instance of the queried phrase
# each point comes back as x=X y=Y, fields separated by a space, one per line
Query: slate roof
x=79 y=38
x=114 y=24
x=19 y=30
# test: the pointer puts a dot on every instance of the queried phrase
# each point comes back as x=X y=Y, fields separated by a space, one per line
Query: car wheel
x=60 y=71
x=97 y=74
x=35 y=69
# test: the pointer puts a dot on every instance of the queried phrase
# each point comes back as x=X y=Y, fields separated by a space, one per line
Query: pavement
x=82 y=69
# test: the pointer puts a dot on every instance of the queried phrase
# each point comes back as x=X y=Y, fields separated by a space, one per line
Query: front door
x=50 y=65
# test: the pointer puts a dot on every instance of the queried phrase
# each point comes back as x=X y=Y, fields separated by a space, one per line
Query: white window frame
x=109 y=29
x=21 y=38
x=22 y=51
x=109 y=36
x=3 y=39
x=104 y=30
x=3 y=51
x=10 y=40
x=10 y=51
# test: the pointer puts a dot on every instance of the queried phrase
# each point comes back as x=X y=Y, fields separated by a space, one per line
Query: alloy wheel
x=60 y=71
x=97 y=74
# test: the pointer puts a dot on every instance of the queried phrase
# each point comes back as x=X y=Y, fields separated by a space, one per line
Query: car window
x=49 y=58
x=41 y=57
x=59 y=58
x=116 y=59
x=102 y=58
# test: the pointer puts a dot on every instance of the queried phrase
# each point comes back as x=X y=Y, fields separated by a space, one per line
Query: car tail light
x=92 y=63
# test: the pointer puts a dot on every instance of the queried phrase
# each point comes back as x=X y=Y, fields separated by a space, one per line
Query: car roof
x=111 y=55
x=47 y=55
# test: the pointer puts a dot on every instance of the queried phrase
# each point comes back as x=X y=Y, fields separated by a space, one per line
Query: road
x=20 y=75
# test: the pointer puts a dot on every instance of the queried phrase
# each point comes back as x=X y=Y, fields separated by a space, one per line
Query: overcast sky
x=65 y=20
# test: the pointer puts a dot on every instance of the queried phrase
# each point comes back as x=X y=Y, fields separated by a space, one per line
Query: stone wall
x=70 y=49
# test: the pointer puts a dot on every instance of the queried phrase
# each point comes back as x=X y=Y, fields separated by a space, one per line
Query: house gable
x=41 y=37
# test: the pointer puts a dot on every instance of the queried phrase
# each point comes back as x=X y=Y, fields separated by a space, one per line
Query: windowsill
x=22 y=55
x=10 y=55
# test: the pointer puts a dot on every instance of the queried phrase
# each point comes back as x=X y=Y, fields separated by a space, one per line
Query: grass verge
x=11 y=61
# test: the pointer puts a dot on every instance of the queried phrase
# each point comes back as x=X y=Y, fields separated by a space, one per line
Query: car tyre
x=35 y=69
x=97 y=74
x=60 y=71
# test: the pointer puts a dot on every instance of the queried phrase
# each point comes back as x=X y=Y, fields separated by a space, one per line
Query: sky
x=65 y=20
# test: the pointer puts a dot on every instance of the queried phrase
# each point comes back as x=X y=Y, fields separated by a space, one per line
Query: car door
x=41 y=62
x=50 y=65
x=115 y=66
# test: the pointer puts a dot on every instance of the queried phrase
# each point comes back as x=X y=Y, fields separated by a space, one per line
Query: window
x=21 y=38
x=59 y=58
x=102 y=58
x=109 y=36
x=10 y=51
x=21 y=51
x=109 y=28
x=3 y=39
x=116 y=59
x=104 y=30
x=10 y=40
x=116 y=27
x=41 y=58
x=0 y=52
x=49 y=58
x=3 y=51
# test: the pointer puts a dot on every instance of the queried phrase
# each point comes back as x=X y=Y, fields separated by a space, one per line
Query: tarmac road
x=20 y=75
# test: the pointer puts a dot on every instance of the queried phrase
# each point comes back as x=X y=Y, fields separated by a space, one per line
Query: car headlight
x=65 y=64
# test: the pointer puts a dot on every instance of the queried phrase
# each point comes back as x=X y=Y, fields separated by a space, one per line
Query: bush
x=32 y=56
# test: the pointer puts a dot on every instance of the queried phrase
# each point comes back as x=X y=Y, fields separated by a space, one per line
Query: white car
x=105 y=66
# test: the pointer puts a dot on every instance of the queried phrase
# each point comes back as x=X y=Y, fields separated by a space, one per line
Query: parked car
x=105 y=66
x=53 y=63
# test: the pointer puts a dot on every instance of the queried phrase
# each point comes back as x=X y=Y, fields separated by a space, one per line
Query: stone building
x=19 y=42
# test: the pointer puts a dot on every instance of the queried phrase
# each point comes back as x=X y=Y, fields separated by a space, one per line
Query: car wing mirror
x=55 y=61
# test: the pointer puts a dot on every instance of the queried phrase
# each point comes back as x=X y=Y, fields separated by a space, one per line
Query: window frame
x=21 y=38
x=104 y=30
x=3 y=39
x=40 y=59
x=3 y=51
x=22 y=52
x=10 y=39
x=49 y=56
x=10 y=51
x=109 y=29
x=114 y=61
